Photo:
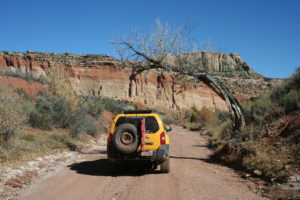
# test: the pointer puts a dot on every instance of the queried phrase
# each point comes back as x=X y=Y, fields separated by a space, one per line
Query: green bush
x=93 y=106
x=282 y=100
x=295 y=79
x=257 y=111
x=103 y=127
x=49 y=112
x=83 y=124
x=23 y=95
x=54 y=112
x=291 y=101
x=195 y=119
x=287 y=95
x=116 y=106
x=221 y=117
x=167 y=119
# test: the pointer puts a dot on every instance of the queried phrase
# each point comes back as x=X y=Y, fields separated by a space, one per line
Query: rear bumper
x=159 y=155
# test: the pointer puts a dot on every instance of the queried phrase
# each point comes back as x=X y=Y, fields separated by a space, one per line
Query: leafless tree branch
x=154 y=50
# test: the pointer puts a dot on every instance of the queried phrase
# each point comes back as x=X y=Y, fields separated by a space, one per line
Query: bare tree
x=171 y=50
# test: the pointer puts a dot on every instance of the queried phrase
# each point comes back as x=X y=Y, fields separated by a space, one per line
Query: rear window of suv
x=151 y=123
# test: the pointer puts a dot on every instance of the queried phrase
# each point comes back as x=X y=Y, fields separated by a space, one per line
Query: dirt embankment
x=31 y=89
x=193 y=176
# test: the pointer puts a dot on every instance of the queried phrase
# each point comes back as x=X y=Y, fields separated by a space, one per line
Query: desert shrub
x=83 y=124
x=220 y=134
x=291 y=101
x=65 y=108
x=167 y=119
x=263 y=148
x=11 y=114
x=260 y=110
x=195 y=119
x=92 y=129
x=60 y=85
x=116 y=106
x=221 y=117
x=23 y=95
x=139 y=106
x=207 y=117
x=194 y=115
x=287 y=94
x=49 y=112
x=294 y=81
x=268 y=159
x=103 y=127
x=252 y=156
x=84 y=120
x=93 y=106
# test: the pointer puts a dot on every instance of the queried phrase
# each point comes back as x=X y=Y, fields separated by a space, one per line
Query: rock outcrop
x=218 y=64
x=102 y=75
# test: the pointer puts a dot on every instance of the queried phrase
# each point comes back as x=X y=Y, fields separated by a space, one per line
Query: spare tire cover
x=125 y=138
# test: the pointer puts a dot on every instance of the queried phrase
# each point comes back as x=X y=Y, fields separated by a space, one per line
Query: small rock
x=246 y=175
x=32 y=163
x=39 y=159
x=257 y=172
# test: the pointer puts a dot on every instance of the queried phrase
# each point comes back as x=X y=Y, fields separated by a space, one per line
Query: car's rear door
x=152 y=135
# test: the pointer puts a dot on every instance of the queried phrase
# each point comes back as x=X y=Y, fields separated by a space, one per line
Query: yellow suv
x=139 y=135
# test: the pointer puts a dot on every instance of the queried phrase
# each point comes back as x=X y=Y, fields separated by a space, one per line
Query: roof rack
x=137 y=111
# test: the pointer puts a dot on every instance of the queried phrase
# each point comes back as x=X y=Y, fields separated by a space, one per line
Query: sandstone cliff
x=103 y=75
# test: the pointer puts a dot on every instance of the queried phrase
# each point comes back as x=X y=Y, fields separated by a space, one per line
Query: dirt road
x=193 y=176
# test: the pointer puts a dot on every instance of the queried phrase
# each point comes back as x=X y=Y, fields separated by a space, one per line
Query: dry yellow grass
x=28 y=145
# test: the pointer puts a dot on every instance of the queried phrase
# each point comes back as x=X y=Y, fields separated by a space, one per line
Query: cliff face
x=102 y=75
x=218 y=64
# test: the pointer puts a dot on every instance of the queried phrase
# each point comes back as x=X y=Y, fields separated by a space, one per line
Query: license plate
x=147 y=153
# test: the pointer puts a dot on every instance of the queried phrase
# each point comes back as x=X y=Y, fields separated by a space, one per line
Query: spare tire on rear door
x=125 y=138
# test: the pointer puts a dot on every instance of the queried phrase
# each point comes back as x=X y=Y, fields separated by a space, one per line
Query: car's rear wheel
x=125 y=138
x=165 y=166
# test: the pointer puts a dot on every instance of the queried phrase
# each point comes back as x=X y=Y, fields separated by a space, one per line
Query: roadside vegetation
x=194 y=119
x=52 y=121
x=269 y=146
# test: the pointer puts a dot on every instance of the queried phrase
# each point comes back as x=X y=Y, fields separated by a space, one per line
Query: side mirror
x=168 y=128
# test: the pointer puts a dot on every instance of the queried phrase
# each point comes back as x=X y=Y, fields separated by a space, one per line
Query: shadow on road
x=201 y=145
x=102 y=167
x=207 y=160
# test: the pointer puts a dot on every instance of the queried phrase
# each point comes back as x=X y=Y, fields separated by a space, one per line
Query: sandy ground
x=193 y=176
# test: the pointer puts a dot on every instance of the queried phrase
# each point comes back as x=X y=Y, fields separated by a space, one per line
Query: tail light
x=163 y=138
x=109 y=140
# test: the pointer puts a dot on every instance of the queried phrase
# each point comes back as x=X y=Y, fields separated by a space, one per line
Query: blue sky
x=264 y=32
